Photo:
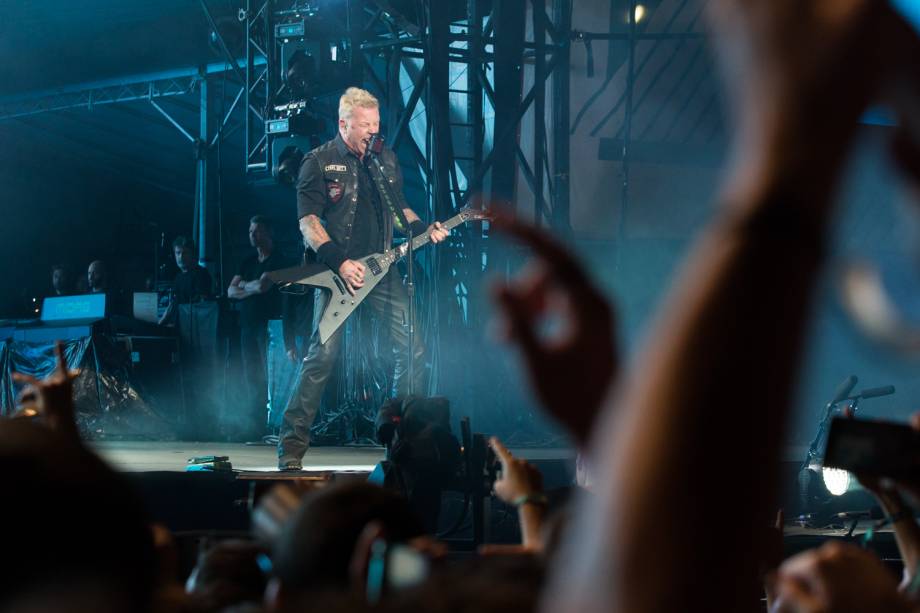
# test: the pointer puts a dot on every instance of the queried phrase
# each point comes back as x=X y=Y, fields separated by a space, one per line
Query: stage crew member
x=192 y=283
x=99 y=282
x=61 y=281
x=259 y=301
x=343 y=218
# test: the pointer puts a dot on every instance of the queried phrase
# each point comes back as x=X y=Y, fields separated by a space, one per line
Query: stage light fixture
x=290 y=30
x=278 y=126
x=836 y=481
x=288 y=166
x=301 y=73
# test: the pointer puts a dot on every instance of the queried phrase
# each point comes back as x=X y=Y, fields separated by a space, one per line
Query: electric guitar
x=342 y=303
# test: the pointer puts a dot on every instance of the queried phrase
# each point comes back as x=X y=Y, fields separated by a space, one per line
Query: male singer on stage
x=343 y=218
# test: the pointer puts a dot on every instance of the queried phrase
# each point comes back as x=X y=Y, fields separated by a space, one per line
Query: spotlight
x=638 y=14
x=301 y=73
x=288 y=165
x=836 y=481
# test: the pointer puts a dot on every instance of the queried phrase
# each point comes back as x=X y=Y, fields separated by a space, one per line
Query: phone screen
x=393 y=567
x=872 y=447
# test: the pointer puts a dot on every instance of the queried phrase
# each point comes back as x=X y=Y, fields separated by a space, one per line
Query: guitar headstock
x=471 y=214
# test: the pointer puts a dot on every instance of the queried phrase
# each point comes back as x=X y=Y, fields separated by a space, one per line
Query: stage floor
x=138 y=456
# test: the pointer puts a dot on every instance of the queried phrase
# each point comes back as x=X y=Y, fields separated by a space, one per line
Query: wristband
x=418 y=227
x=331 y=255
x=534 y=499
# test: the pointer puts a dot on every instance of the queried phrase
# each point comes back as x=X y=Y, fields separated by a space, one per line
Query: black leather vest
x=340 y=174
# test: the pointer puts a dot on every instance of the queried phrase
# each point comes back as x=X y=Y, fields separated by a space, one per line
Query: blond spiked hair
x=355 y=96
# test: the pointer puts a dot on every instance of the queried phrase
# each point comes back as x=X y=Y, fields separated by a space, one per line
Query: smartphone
x=875 y=448
x=393 y=567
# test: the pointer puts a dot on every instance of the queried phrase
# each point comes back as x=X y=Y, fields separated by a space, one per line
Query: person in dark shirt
x=61 y=284
x=191 y=284
x=97 y=277
x=259 y=301
x=99 y=282
x=61 y=281
x=336 y=186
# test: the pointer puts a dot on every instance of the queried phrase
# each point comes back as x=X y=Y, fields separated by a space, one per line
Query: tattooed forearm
x=314 y=234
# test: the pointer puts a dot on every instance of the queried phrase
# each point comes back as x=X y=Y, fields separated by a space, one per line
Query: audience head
x=184 y=251
x=260 y=232
x=60 y=280
x=318 y=548
x=70 y=525
x=97 y=277
x=499 y=584
x=228 y=573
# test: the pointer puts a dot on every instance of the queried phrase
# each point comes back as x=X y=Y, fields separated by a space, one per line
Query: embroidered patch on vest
x=334 y=190
x=335 y=168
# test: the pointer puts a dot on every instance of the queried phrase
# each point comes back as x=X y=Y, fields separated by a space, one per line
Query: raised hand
x=519 y=478
x=521 y=485
x=834 y=578
x=571 y=372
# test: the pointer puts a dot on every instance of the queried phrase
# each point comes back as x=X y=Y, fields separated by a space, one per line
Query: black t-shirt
x=194 y=284
x=258 y=309
x=367 y=236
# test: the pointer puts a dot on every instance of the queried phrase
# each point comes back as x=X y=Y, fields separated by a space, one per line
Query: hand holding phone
x=874 y=448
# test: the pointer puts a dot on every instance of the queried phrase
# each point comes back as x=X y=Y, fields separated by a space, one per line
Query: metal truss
x=384 y=42
x=473 y=44
x=457 y=160
x=154 y=88
x=93 y=95
x=667 y=59
x=478 y=59
x=258 y=83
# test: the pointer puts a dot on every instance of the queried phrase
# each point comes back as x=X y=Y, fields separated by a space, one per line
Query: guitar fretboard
x=424 y=238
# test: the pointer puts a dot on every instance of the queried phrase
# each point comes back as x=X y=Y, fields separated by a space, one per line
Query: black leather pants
x=391 y=301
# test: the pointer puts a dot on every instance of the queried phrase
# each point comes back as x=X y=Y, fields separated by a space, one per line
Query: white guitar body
x=342 y=303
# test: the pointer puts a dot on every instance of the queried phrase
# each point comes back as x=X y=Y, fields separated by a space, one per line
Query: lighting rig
x=313 y=59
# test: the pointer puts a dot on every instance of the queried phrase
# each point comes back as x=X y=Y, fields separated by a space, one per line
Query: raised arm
x=703 y=408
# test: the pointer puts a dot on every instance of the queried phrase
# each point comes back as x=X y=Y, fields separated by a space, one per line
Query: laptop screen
x=65 y=308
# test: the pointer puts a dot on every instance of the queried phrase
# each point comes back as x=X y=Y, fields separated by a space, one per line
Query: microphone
x=375 y=143
x=844 y=389
x=872 y=392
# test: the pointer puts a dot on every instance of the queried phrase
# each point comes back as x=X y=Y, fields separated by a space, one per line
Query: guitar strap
x=385 y=188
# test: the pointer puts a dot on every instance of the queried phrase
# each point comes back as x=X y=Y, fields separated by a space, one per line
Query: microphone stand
x=383 y=186
x=842 y=395
x=410 y=289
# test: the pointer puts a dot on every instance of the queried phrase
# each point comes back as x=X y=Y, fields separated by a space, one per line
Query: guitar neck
x=425 y=237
